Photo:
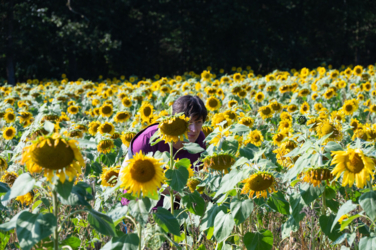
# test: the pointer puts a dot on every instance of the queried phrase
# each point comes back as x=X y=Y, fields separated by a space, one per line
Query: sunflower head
x=9 y=117
x=316 y=175
x=76 y=133
x=9 y=133
x=73 y=109
x=247 y=121
x=219 y=162
x=207 y=130
x=53 y=154
x=106 y=128
x=146 y=110
x=110 y=176
x=266 y=112
x=349 y=107
x=327 y=127
x=143 y=174
x=259 y=184
x=106 y=110
x=122 y=116
x=127 y=137
x=105 y=146
x=93 y=127
x=213 y=103
x=192 y=185
x=26 y=199
x=174 y=128
x=3 y=164
x=255 y=137
x=9 y=178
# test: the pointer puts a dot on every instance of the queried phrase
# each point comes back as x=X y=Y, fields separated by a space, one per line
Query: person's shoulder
x=150 y=130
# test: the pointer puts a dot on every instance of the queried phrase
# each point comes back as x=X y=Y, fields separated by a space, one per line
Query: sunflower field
x=289 y=162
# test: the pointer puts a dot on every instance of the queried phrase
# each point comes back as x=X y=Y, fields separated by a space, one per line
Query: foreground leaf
x=262 y=240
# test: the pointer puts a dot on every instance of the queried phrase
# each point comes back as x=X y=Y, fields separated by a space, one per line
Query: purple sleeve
x=200 y=140
x=141 y=143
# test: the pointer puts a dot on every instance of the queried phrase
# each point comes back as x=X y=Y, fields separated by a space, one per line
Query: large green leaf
x=345 y=209
x=194 y=203
x=210 y=214
x=72 y=241
x=241 y=210
x=193 y=148
x=248 y=151
x=289 y=226
x=101 y=222
x=223 y=226
x=230 y=145
x=333 y=146
x=367 y=243
x=23 y=184
x=32 y=228
x=63 y=189
x=297 y=205
x=177 y=178
x=140 y=209
x=262 y=240
x=326 y=223
x=167 y=221
x=3 y=187
x=278 y=203
x=229 y=181
x=123 y=242
x=310 y=193
x=12 y=223
x=118 y=214
x=78 y=196
x=239 y=129
x=368 y=202
x=4 y=240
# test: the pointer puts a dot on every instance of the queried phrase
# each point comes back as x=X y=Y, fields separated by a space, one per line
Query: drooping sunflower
x=213 y=103
x=220 y=118
x=26 y=199
x=53 y=154
x=105 y=146
x=349 y=107
x=327 y=127
x=76 y=133
x=278 y=137
x=73 y=109
x=110 y=176
x=247 y=121
x=316 y=175
x=93 y=127
x=232 y=103
x=292 y=108
x=174 y=128
x=106 y=110
x=9 y=133
x=355 y=166
x=9 y=178
x=9 y=117
x=142 y=174
x=106 y=128
x=122 y=116
x=127 y=137
x=24 y=116
x=207 y=130
x=192 y=184
x=259 y=184
x=81 y=127
x=230 y=115
x=219 y=162
x=266 y=112
x=255 y=137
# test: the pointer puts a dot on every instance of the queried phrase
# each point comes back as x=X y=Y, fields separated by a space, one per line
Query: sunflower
x=358 y=70
x=126 y=102
x=285 y=116
x=205 y=75
x=259 y=184
x=24 y=116
x=355 y=124
x=9 y=133
x=220 y=118
x=372 y=108
x=26 y=199
x=93 y=127
x=192 y=184
x=110 y=176
x=285 y=148
x=304 y=109
x=259 y=97
x=266 y=112
x=122 y=116
x=207 y=130
x=213 y=103
x=316 y=175
x=230 y=115
x=9 y=178
x=53 y=153
x=329 y=94
x=278 y=137
x=326 y=127
x=283 y=89
x=304 y=92
x=355 y=165
x=76 y=133
x=343 y=218
x=255 y=137
x=127 y=137
x=284 y=124
x=73 y=109
x=219 y=162
x=106 y=110
x=349 y=107
x=338 y=116
x=105 y=146
x=146 y=110
x=292 y=108
x=174 y=128
x=247 y=121
x=51 y=118
x=276 y=106
x=142 y=174
x=3 y=164
x=106 y=128
x=9 y=117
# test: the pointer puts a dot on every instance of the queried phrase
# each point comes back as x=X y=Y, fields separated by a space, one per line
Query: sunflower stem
x=139 y=236
x=55 y=207
x=323 y=204
x=171 y=191
x=185 y=236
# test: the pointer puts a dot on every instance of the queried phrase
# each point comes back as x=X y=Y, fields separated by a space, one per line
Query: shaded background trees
x=132 y=37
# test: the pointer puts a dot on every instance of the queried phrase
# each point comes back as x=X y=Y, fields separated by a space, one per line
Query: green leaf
x=201 y=247
x=330 y=193
x=278 y=203
x=367 y=243
x=241 y=210
x=310 y=193
x=194 y=203
x=72 y=241
x=185 y=162
x=4 y=187
x=289 y=226
x=248 y=151
x=64 y=189
x=210 y=214
x=23 y=184
x=345 y=223
x=333 y=205
x=32 y=228
x=262 y=240
x=12 y=223
x=193 y=148
x=326 y=223
x=167 y=221
x=297 y=205
x=49 y=126
x=333 y=146
x=177 y=178
x=368 y=202
x=4 y=240
x=230 y=145
x=140 y=209
x=101 y=222
x=78 y=196
x=229 y=181
x=123 y=242
x=345 y=209
x=118 y=214
x=239 y=129
x=223 y=226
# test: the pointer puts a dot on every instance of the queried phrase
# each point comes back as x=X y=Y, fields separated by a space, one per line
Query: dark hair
x=191 y=106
